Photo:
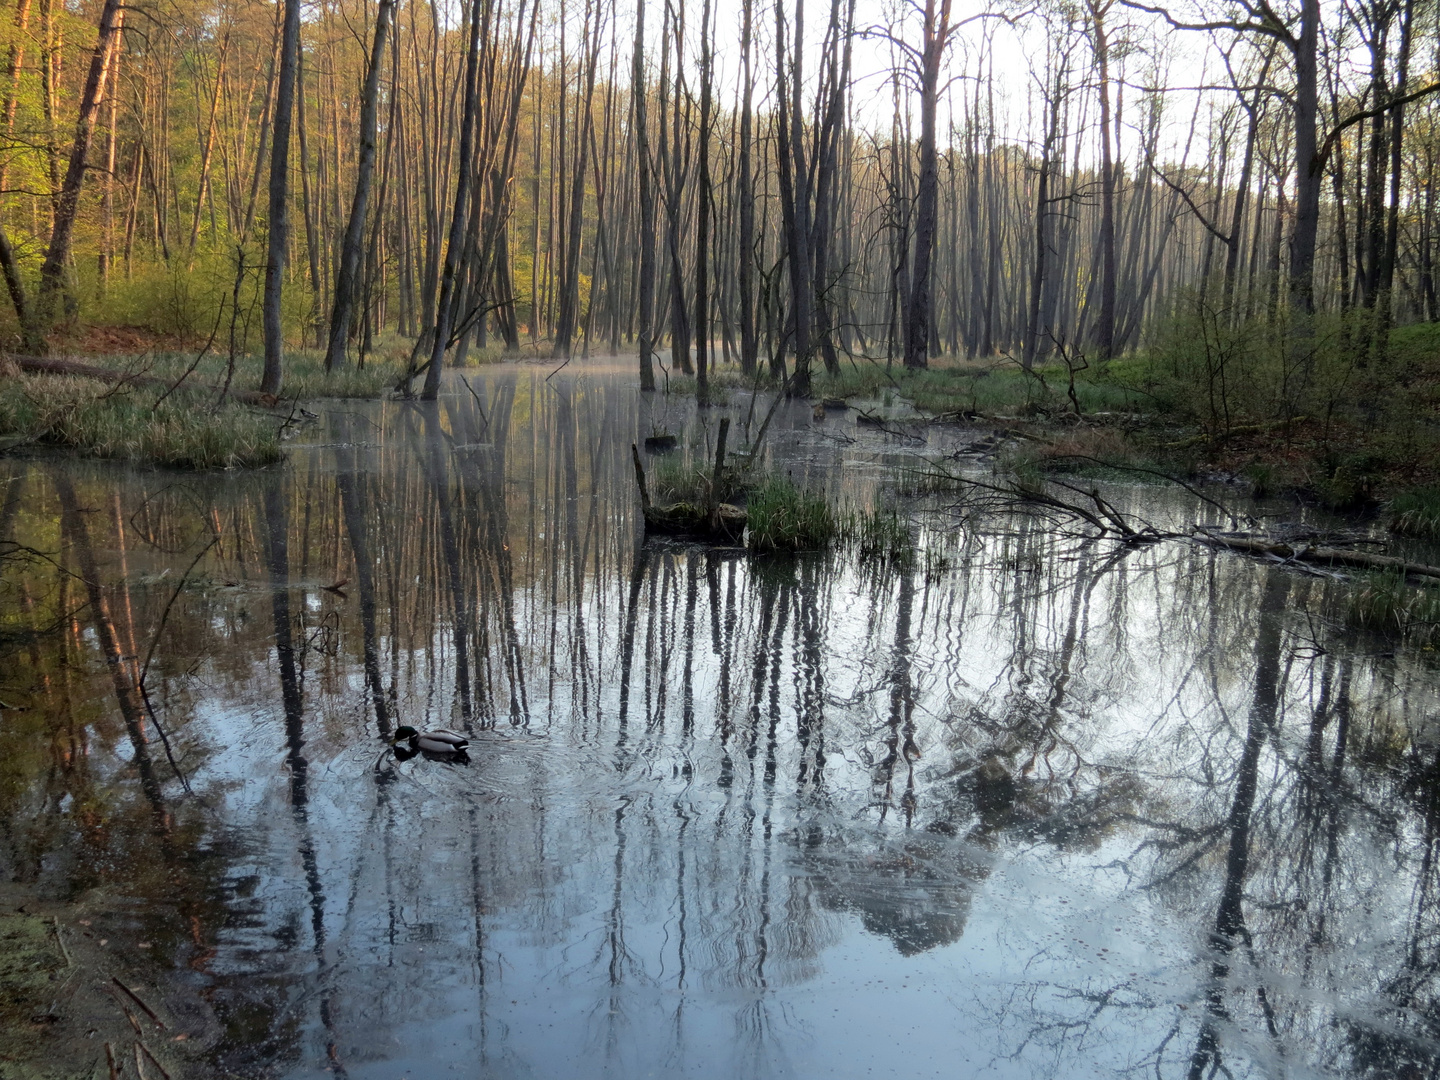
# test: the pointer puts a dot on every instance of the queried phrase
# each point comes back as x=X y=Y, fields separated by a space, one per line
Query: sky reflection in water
x=1028 y=808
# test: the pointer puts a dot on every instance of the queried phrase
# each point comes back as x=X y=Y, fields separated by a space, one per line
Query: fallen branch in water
x=1109 y=522
x=1328 y=556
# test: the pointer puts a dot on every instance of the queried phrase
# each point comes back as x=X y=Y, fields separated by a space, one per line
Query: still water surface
x=1031 y=807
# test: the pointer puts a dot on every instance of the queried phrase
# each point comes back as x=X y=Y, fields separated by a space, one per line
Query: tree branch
x=1323 y=154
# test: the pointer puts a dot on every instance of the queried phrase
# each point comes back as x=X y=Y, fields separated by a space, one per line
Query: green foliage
x=1416 y=512
x=783 y=517
x=130 y=423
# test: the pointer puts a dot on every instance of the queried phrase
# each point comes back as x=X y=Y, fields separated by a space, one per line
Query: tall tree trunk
x=790 y=152
x=702 y=221
x=347 y=278
x=456 y=242
x=745 y=196
x=1308 y=169
x=568 y=321
x=57 y=255
x=1105 y=321
x=279 y=213
x=921 y=307
x=646 y=315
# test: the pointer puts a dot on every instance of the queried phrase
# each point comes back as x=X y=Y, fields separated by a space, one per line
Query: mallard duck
x=436 y=741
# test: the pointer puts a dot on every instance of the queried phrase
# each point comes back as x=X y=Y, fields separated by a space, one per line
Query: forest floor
x=192 y=409
x=81 y=997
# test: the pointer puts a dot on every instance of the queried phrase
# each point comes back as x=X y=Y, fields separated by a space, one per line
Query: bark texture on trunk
x=347 y=278
x=279 y=219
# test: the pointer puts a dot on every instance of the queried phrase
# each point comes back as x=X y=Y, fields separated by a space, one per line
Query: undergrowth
x=303 y=376
x=130 y=423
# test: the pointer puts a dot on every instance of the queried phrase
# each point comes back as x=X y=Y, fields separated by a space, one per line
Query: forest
x=786 y=189
x=763 y=538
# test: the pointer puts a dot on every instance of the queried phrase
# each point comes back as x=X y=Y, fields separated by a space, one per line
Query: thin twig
x=478 y=406
x=138 y=1001
x=154 y=1060
x=60 y=939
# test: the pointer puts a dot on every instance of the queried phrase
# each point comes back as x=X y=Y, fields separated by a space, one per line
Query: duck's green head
x=403 y=732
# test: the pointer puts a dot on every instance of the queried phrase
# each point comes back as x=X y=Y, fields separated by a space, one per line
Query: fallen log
x=45 y=365
x=1355 y=560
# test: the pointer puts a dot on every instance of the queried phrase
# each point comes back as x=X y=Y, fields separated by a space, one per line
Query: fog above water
x=1031 y=806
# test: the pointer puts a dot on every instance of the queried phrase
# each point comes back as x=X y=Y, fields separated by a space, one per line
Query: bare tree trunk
x=568 y=320
x=745 y=196
x=1105 y=322
x=347 y=278
x=1308 y=169
x=646 y=316
x=790 y=152
x=52 y=271
x=920 y=310
x=279 y=215
x=702 y=222
x=456 y=242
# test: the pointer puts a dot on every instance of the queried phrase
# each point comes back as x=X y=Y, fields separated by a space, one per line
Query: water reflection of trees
x=694 y=771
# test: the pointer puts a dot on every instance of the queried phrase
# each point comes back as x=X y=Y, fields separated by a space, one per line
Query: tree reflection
x=716 y=767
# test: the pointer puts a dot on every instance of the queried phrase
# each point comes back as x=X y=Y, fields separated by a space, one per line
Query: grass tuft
x=675 y=480
x=880 y=536
x=783 y=517
x=1416 y=513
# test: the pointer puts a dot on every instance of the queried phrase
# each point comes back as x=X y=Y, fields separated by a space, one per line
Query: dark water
x=1029 y=807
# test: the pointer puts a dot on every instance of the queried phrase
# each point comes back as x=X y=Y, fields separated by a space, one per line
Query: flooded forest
x=609 y=662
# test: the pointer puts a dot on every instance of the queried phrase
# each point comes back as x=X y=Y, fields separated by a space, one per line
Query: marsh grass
x=720 y=384
x=673 y=479
x=879 y=535
x=784 y=517
x=131 y=424
x=1416 y=513
x=1387 y=603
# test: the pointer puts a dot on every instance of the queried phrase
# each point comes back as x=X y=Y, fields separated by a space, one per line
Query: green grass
x=673 y=479
x=1416 y=512
x=783 y=517
x=987 y=389
x=126 y=423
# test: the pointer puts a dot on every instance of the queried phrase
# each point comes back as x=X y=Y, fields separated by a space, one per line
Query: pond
x=1027 y=805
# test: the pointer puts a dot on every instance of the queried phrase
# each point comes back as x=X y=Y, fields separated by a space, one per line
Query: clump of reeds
x=131 y=423
x=1386 y=602
x=784 y=517
x=674 y=480
x=880 y=536
x=1416 y=513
